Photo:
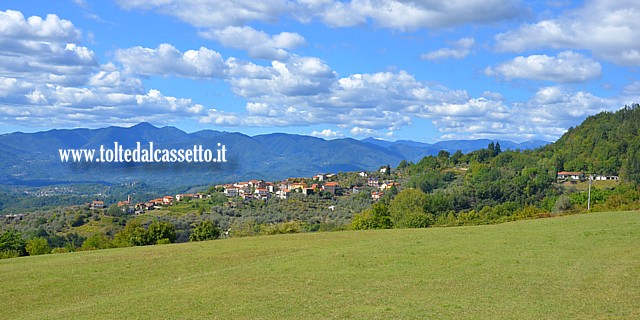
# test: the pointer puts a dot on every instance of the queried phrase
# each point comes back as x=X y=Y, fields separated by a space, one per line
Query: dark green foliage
x=377 y=217
x=602 y=144
x=133 y=234
x=206 y=230
x=12 y=244
x=116 y=211
x=161 y=230
x=408 y=210
x=431 y=180
x=402 y=165
x=96 y=242
x=632 y=163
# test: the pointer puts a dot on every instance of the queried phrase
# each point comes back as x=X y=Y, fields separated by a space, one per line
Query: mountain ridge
x=34 y=156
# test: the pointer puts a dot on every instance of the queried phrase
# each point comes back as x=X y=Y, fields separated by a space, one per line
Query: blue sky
x=418 y=70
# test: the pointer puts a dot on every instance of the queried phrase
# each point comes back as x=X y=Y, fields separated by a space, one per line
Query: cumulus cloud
x=228 y=21
x=357 y=131
x=15 y=26
x=299 y=76
x=327 y=134
x=258 y=44
x=609 y=29
x=55 y=82
x=166 y=60
x=567 y=67
x=459 y=50
x=48 y=79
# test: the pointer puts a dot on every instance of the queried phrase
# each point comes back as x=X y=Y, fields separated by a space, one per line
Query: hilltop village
x=378 y=182
x=375 y=183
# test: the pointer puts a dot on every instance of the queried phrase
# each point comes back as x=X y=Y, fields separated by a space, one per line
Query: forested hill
x=606 y=143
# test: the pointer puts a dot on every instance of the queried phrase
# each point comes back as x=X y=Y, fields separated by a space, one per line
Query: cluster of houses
x=261 y=190
x=129 y=207
x=580 y=176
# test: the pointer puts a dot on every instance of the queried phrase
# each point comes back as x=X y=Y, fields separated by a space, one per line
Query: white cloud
x=48 y=79
x=412 y=15
x=299 y=76
x=327 y=134
x=393 y=14
x=609 y=29
x=166 y=60
x=13 y=25
x=459 y=50
x=547 y=115
x=55 y=82
x=258 y=44
x=35 y=50
x=214 y=13
x=357 y=131
x=567 y=67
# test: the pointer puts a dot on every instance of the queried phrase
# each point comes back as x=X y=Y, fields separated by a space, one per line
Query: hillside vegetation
x=607 y=143
x=573 y=267
x=485 y=186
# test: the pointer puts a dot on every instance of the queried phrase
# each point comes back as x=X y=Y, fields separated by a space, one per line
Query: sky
x=416 y=70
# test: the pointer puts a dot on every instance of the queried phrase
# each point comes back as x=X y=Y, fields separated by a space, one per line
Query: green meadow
x=573 y=267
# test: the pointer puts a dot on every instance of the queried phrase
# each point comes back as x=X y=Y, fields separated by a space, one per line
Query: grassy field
x=572 y=267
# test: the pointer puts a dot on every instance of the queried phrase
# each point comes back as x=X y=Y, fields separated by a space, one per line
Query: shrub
x=206 y=230
x=37 y=246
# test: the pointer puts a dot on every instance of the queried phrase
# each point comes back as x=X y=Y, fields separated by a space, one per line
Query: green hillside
x=607 y=143
x=573 y=267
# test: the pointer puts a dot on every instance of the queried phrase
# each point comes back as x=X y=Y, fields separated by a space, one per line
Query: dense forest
x=485 y=186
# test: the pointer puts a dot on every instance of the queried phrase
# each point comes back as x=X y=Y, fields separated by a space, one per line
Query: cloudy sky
x=421 y=70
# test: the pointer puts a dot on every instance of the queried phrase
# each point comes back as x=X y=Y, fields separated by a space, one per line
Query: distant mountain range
x=33 y=158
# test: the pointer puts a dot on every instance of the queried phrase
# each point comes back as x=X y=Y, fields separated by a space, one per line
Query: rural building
x=563 y=175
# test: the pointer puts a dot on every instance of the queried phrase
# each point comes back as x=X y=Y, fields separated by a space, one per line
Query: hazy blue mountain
x=33 y=158
x=414 y=151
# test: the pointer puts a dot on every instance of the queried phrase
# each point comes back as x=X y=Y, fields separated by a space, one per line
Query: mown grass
x=572 y=267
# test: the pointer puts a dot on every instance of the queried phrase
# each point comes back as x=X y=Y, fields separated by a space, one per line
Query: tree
x=632 y=164
x=403 y=164
x=12 y=244
x=375 y=218
x=407 y=210
x=457 y=156
x=563 y=203
x=115 y=211
x=497 y=149
x=443 y=157
x=37 y=246
x=159 y=230
x=95 y=242
x=133 y=234
x=206 y=230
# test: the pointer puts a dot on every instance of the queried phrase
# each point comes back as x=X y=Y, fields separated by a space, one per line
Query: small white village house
x=563 y=175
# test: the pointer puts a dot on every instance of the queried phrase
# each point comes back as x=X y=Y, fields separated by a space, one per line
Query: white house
x=262 y=193
x=562 y=175
x=604 y=178
x=283 y=193
x=232 y=191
